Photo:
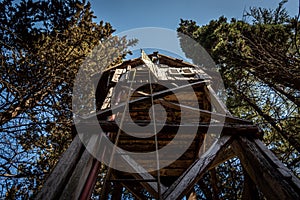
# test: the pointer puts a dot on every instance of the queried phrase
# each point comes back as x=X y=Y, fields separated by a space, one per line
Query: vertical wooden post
x=264 y=168
x=59 y=177
x=78 y=179
x=91 y=180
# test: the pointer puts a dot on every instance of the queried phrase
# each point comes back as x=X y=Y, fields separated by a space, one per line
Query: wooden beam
x=185 y=183
x=160 y=94
x=123 y=159
x=228 y=129
x=60 y=175
x=134 y=186
x=205 y=113
x=264 y=168
x=215 y=101
x=91 y=180
x=128 y=162
x=226 y=154
x=214 y=183
x=75 y=185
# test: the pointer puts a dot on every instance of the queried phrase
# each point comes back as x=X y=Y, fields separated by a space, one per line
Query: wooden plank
x=264 y=168
x=185 y=96
x=60 y=175
x=172 y=172
x=215 y=101
x=162 y=136
x=156 y=95
x=141 y=173
x=206 y=113
x=149 y=145
x=148 y=62
x=186 y=182
x=230 y=129
x=279 y=165
x=117 y=75
x=91 y=180
x=226 y=154
x=77 y=181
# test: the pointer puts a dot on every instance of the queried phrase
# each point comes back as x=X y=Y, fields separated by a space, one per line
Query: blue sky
x=128 y=14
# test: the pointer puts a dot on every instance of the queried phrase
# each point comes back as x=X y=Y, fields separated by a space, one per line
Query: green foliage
x=43 y=44
x=258 y=59
x=224 y=182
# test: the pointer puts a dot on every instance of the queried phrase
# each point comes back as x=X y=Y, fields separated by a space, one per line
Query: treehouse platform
x=153 y=102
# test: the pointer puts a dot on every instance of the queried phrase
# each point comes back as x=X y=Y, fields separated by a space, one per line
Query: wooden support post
x=62 y=172
x=78 y=179
x=226 y=154
x=264 y=168
x=189 y=178
x=151 y=187
x=91 y=180
x=205 y=190
x=214 y=100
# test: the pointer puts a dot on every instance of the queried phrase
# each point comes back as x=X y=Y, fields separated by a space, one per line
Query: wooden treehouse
x=185 y=103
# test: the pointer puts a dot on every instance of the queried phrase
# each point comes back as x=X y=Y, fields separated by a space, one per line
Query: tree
x=258 y=59
x=43 y=44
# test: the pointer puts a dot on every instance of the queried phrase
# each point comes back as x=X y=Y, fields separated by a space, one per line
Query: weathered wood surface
x=73 y=189
x=226 y=154
x=206 y=113
x=186 y=182
x=215 y=101
x=88 y=188
x=68 y=180
x=60 y=175
x=156 y=95
x=79 y=176
x=227 y=129
x=264 y=168
x=128 y=162
x=214 y=182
